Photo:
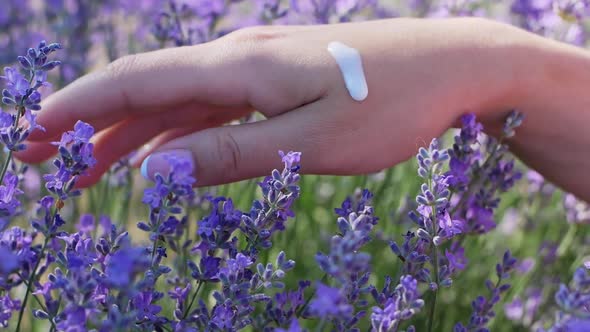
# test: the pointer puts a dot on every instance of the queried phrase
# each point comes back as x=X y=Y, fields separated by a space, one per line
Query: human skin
x=422 y=75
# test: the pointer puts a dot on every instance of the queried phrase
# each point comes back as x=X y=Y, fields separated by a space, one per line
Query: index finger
x=145 y=82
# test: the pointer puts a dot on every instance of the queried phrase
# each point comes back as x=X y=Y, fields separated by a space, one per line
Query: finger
x=120 y=140
x=37 y=152
x=158 y=141
x=143 y=83
x=232 y=153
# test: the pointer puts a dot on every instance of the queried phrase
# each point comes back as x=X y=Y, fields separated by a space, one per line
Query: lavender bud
x=40 y=314
x=423 y=234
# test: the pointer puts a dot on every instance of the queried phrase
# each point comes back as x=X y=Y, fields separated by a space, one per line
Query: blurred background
x=546 y=229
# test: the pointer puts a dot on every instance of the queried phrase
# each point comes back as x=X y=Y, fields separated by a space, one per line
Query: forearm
x=550 y=86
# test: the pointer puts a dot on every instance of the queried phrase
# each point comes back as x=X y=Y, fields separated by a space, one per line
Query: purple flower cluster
x=483 y=306
x=490 y=173
x=576 y=211
x=191 y=22
x=331 y=11
x=525 y=310
x=22 y=94
x=75 y=158
x=243 y=280
x=574 y=303
x=434 y=222
x=267 y=216
x=453 y=204
x=401 y=304
x=347 y=266
x=563 y=19
x=109 y=283
x=25 y=262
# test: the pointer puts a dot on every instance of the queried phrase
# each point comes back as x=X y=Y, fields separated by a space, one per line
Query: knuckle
x=255 y=52
x=228 y=152
x=122 y=66
x=256 y=34
x=254 y=45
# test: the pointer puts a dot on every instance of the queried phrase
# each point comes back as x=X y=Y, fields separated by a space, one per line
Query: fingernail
x=144 y=167
x=158 y=162
x=135 y=157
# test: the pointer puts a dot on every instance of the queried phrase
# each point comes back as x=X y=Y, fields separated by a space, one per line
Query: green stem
x=569 y=237
x=478 y=178
x=434 y=297
x=102 y=198
x=161 y=213
x=302 y=309
x=34 y=296
x=190 y=305
x=127 y=192
x=29 y=285
x=5 y=166
x=43 y=307
x=321 y=325
x=434 y=249
x=19 y=112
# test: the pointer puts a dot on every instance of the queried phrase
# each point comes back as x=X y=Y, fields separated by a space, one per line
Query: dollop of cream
x=351 y=65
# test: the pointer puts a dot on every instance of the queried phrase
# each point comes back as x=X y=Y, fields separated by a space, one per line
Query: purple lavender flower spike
x=479 y=172
x=123 y=265
x=483 y=307
x=576 y=211
x=9 y=193
x=294 y=327
x=269 y=215
x=76 y=158
x=21 y=93
x=330 y=303
x=404 y=303
x=7 y=307
x=573 y=300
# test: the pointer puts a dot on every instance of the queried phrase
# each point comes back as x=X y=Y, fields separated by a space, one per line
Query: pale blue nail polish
x=144 y=166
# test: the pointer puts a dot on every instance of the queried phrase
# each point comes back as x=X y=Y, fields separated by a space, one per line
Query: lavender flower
x=9 y=192
x=18 y=249
x=349 y=267
x=344 y=260
x=75 y=159
x=164 y=200
x=489 y=172
x=524 y=311
x=404 y=303
x=284 y=307
x=432 y=215
x=269 y=215
x=7 y=307
x=576 y=211
x=463 y=154
x=294 y=327
x=22 y=94
x=330 y=303
x=123 y=265
x=328 y=11
x=574 y=302
x=483 y=307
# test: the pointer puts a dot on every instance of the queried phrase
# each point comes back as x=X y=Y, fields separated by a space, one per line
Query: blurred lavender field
x=464 y=239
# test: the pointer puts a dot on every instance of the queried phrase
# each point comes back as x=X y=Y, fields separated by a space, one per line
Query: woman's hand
x=422 y=74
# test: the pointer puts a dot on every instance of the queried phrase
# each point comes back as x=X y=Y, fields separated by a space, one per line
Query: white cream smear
x=351 y=66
